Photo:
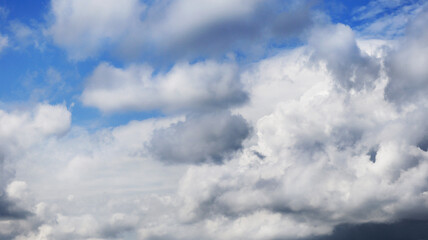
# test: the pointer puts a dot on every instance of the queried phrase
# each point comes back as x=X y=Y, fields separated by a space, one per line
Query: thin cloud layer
x=4 y=41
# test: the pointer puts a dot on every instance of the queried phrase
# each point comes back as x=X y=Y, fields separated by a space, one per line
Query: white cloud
x=24 y=128
x=83 y=27
x=19 y=132
x=17 y=189
x=199 y=86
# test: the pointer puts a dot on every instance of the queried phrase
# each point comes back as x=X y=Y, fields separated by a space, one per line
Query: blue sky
x=213 y=119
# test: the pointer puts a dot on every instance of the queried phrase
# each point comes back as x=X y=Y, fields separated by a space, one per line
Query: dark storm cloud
x=201 y=138
x=9 y=210
x=402 y=230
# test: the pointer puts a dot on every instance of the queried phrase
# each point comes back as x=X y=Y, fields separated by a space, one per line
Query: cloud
x=406 y=229
x=322 y=157
x=386 y=19
x=24 y=35
x=199 y=139
x=176 y=29
x=337 y=46
x=19 y=131
x=83 y=28
x=4 y=42
x=212 y=28
x=9 y=211
x=72 y=173
x=201 y=86
x=306 y=144
x=406 y=65
x=377 y=7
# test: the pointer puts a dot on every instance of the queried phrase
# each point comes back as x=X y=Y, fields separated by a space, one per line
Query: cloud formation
x=322 y=139
x=322 y=158
x=84 y=27
x=201 y=86
x=203 y=138
x=19 y=131
x=407 y=64
x=337 y=46
x=177 y=29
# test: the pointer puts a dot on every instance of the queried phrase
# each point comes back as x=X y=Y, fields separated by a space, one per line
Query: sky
x=213 y=119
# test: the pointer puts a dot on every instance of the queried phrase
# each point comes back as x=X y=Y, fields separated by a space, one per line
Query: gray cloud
x=406 y=66
x=337 y=46
x=9 y=210
x=175 y=29
x=210 y=137
x=252 y=25
x=406 y=229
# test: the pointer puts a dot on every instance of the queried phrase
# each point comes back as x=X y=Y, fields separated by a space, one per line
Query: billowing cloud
x=352 y=68
x=19 y=130
x=202 y=86
x=314 y=141
x=204 y=138
x=77 y=170
x=322 y=157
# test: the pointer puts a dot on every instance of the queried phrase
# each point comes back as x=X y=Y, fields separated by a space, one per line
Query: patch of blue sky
x=341 y=11
x=25 y=11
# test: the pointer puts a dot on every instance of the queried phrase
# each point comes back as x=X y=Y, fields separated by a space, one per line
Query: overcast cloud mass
x=213 y=119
